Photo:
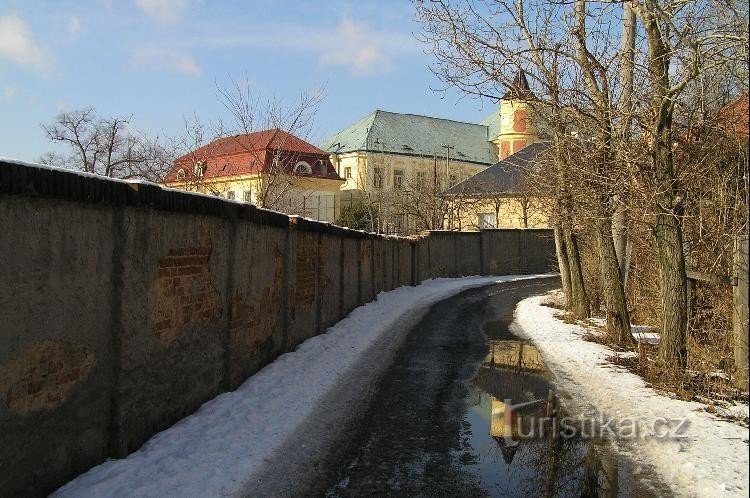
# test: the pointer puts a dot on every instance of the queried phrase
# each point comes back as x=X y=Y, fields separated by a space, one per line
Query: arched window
x=302 y=168
x=199 y=169
x=180 y=174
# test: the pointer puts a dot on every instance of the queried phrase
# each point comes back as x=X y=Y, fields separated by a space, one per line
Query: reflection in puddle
x=508 y=427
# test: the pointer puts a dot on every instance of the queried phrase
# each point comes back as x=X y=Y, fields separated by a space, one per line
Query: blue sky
x=160 y=60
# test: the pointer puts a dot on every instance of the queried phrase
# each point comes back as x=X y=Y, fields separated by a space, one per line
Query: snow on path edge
x=213 y=451
x=711 y=461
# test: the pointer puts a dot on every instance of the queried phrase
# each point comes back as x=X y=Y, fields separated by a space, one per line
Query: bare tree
x=107 y=146
x=683 y=40
x=250 y=114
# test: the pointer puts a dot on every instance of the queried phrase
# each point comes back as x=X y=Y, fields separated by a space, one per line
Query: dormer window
x=302 y=168
x=180 y=174
x=199 y=169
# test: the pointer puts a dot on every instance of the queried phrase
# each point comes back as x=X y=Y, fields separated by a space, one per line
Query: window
x=453 y=180
x=347 y=172
x=248 y=196
x=230 y=195
x=421 y=178
x=519 y=121
x=302 y=168
x=398 y=178
x=180 y=174
x=487 y=220
x=199 y=169
x=377 y=178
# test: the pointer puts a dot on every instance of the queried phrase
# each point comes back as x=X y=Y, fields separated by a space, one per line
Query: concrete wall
x=126 y=306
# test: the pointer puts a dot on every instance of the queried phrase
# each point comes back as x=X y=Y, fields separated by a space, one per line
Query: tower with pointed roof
x=517 y=128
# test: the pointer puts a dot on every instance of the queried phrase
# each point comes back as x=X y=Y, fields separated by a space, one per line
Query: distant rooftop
x=504 y=176
x=412 y=134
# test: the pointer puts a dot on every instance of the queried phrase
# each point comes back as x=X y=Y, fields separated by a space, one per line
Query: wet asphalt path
x=408 y=442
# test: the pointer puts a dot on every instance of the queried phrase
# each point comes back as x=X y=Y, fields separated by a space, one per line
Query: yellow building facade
x=400 y=162
x=272 y=169
x=497 y=196
x=315 y=198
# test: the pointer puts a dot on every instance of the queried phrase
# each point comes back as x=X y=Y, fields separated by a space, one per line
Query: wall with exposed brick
x=125 y=306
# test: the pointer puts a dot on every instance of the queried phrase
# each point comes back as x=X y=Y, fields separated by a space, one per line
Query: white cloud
x=17 y=44
x=163 y=11
x=74 y=25
x=356 y=45
x=9 y=92
x=363 y=50
x=170 y=60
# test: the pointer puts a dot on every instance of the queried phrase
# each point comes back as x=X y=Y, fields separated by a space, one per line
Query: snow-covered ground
x=712 y=460
x=273 y=422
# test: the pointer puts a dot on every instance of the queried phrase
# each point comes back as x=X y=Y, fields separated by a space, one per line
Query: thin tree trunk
x=618 y=319
x=625 y=76
x=579 y=302
x=620 y=237
x=562 y=262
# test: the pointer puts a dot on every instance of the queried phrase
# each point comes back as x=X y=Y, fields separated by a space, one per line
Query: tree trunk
x=625 y=77
x=618 y=319
x=672 y=344
x=668 y=197
x=562 y=262
x=620 y=237
x=740 y=318
x=579 y=302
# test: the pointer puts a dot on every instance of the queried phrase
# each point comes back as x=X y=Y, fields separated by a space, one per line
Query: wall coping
x=32 y=179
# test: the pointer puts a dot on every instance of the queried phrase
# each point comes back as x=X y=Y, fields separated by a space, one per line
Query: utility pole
x=447 y=148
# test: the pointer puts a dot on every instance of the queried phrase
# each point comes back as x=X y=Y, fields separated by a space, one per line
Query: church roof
x=520 y=89
x=504 y=176
x=414 y=135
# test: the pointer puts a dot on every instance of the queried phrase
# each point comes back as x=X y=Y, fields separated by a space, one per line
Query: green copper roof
x=411 y=134
x=492 y=122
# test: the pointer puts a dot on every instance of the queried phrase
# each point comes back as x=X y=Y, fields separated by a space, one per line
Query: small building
x=498 y=197
x=272 y=169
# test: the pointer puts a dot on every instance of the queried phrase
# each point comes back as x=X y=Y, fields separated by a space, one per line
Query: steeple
x=517 y=123
x=520 y=89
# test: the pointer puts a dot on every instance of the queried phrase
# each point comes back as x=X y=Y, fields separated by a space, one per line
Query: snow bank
x=712 y=460
x=222 y=448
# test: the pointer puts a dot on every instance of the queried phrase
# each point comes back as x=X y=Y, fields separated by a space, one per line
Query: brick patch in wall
x=183 y=293
x=309 y=257
x=43 y=376
x=252 y=322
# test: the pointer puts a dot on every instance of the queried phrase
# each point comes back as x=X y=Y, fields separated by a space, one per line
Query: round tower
x=517 y=127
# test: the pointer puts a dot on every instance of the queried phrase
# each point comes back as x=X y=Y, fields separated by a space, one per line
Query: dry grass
x=710 y=364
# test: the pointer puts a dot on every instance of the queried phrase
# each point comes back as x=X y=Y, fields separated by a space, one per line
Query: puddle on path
x=511 y=448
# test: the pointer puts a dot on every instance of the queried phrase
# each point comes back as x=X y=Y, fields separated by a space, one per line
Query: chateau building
x=401 y=163
x=271 y=168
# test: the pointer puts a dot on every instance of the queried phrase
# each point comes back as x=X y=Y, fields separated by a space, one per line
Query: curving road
x=414 y=440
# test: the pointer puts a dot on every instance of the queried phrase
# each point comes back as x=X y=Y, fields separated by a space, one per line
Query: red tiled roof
x=735 y=116
x=254 y=152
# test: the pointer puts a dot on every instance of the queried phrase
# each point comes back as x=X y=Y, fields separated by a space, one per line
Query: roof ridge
x=429 y=117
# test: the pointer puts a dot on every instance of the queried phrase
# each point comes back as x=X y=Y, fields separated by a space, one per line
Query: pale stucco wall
x=508 y=213
x=316 y=198
x=362 y=167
